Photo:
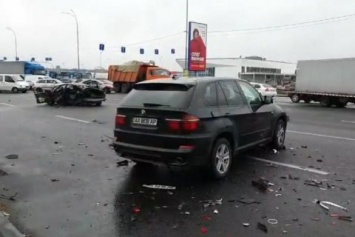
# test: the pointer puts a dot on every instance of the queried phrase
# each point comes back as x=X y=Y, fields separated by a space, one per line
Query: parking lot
x=65 y=181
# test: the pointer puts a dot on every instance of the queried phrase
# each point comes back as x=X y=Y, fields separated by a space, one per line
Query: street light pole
x=13 y=32
x=187 y=35
x=72 y=13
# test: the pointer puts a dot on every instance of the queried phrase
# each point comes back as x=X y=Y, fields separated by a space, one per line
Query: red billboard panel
x=197 y=46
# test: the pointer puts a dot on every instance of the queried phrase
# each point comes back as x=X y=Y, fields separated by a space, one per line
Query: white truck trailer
x=330 y=82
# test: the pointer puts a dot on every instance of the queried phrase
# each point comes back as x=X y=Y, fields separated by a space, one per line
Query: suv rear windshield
x=165 y=95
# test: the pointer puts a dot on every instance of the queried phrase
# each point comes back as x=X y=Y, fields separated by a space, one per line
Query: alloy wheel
x=222 y=159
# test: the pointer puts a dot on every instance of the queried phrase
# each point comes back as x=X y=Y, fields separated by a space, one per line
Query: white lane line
x=7 y=104
x=345 y=121
x=73 y=119
x=297 y=167
x=322 y=135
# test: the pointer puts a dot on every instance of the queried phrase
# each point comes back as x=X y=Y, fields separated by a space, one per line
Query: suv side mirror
x=268 y=99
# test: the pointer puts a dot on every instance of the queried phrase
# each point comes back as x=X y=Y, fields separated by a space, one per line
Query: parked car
x=69 y=94
x=32 y=79
x=13 y=83
x=105 y=85
x=196 y=122
x=265 y=89
x=47 y=83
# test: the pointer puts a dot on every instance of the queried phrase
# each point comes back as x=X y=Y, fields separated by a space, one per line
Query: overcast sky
x=43 y=31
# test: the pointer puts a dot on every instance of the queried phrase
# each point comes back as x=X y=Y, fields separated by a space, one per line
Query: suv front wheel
x=279 y=134
x=221 y=158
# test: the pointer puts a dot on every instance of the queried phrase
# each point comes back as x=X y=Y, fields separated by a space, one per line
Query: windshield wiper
x=154 y=105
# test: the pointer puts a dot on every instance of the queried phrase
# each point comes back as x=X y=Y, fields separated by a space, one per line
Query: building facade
x=253 y=69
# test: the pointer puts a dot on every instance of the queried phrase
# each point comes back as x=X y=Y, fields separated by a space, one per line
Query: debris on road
x=158 y=186
x=122 y=163
x=248 y=201
x=319 y=160
x=341 y=217
x=326 y=204
x=262 y=184
x=313 y=182
x=11 y=157
x=136 y=210
x=204 y=230
x=55 y=180
x=304 y=147
x=315 y=219
x=246 y=224
x=272 y=221
x=181 y=205
x=55 y=142
x=3 y=173
x=95 y=121
x=81 y=144
x=10 y=198
x=262 y=227
x=215 y=211
x=207 y=203
x=290 y=177
x=90 y=155
x=185 y=213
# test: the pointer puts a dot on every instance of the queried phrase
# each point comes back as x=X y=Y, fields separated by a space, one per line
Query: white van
x=13 y=83
x=32 y=79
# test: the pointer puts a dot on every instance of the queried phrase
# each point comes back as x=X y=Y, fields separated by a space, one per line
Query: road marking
x=7 y=104
x=297 y=167
x=73 y=119
x=322 y=135
x=344 y=121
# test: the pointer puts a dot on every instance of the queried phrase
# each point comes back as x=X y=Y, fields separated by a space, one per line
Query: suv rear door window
x=169 y=95
x=221 y=97
x=232 y=93
x=210 y=95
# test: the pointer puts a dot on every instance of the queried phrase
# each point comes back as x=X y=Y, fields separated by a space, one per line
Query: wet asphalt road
x=67 y=182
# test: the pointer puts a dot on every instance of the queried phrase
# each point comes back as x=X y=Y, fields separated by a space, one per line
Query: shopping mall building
x=253 y=69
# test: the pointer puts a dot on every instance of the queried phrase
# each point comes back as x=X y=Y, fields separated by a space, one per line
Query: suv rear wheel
x=221 y=158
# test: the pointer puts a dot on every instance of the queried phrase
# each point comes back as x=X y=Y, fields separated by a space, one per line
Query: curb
x=7 y=229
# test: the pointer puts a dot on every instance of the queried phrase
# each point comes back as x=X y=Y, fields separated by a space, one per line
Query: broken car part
x=326 y=204
x=157 y=186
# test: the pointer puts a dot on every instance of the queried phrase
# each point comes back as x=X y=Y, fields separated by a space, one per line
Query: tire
x=107 y=91
x=125 y=88
x=295 y=98
x=98 y=103
x=278 y=140
x=14 y=90
x=118 y=87
x=326 y=101
x=339 y=104
x=221 y=158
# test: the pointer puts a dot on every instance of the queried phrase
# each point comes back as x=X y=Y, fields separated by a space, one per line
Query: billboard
x=197 y=46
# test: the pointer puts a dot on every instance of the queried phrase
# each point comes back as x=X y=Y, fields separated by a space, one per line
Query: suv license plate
x=145 y=121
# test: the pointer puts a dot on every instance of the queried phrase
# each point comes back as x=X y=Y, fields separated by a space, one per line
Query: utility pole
x=14 y=33
x=72 y=13
x=187 y=36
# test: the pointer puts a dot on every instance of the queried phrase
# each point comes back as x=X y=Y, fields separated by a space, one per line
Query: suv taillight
x=120 y=120
x=188 y=123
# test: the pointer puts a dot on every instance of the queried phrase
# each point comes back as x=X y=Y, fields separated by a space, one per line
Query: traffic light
x=33 y=59
x=156 y=51
x=17 y=58
x=141 y=51
x=101 y=47
x=172 y=51
x=5 y=58
x=123 y=49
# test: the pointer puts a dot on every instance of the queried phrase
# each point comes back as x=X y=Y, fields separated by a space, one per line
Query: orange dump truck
x=126 y=75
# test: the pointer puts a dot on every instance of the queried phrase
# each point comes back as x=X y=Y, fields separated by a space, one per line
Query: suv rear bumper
x=195 y=154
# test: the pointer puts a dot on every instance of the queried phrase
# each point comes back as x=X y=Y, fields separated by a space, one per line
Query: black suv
x=195 y=121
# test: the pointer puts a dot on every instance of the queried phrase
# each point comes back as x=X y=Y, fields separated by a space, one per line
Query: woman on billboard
x=197 y=52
